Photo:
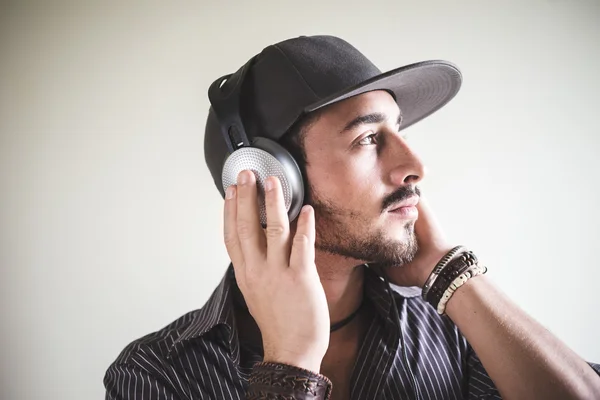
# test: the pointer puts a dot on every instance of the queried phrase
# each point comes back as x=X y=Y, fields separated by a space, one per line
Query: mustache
x=399 y=195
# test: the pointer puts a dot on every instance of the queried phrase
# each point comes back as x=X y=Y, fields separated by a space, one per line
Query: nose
x=407 y=168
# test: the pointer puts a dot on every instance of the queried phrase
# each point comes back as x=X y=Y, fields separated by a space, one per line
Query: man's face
x=360 y=169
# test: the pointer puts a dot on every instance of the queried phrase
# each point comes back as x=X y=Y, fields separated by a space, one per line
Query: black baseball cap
x=297 y=76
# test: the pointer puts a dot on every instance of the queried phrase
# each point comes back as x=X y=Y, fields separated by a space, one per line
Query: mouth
x=410 y=202
x=406 y=208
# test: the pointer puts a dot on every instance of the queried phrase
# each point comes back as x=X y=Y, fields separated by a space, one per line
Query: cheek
x=349 y=182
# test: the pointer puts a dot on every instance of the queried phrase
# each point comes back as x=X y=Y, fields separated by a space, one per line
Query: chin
x=401 y=230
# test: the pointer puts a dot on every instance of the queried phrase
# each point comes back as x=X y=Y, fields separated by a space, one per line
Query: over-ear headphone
x=264 y=156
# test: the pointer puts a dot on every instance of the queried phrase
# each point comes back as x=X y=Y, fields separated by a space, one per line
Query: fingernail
x=230 y=192
x=268 y=185
x=243 y=177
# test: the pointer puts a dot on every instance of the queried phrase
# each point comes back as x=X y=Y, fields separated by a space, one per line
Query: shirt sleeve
x=479 y=385
x=126 y=380
x=595 y=367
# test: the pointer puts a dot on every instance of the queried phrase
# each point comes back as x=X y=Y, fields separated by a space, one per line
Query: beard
x=349 y=233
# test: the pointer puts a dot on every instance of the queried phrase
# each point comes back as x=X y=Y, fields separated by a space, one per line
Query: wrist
x=454 y=270
x=282 y=381
x=471 y=291
x=434 y=259
x=436 y=262
x=307 y=361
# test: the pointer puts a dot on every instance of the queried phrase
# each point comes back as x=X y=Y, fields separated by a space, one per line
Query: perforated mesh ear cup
x=267 y=158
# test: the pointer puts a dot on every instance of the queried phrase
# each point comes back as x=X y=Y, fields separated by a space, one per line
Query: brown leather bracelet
x=453 y=269
x=275 y=381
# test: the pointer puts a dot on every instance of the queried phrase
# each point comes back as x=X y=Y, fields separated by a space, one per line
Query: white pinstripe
x=435 y=350
x=431 y=343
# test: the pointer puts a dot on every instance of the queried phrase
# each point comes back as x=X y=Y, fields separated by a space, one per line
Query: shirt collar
x=217 y=311
x=377 y=290
x=219 y=308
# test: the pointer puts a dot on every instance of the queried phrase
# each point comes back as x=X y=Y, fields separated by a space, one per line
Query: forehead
x=339 y=114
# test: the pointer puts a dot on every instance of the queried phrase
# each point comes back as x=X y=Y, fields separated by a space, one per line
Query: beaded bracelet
x=438 y=268
x=451 y=271
x=458 y=282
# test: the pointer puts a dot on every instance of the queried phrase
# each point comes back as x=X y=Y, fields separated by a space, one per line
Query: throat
x=338 y=366
x=339 y=325
x=344 y=348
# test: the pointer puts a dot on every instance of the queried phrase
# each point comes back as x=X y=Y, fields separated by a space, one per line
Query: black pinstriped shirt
x=409 y=352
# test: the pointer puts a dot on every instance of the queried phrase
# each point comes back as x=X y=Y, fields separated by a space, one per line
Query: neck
x=343 y=283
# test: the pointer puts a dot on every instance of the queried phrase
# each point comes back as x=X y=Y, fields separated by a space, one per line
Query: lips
x=408 y=203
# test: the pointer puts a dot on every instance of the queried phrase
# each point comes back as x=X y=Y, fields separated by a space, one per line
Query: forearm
x=524 y=360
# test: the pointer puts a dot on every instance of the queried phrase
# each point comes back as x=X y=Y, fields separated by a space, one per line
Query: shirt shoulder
x=158 y=343
x=190 y=357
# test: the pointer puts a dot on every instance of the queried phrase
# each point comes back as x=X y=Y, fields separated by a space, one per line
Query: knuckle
x=301 y=239
x=244 y=230
x=230 y=239
x=275 y=231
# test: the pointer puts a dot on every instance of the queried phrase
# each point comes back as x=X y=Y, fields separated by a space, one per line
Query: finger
x=303 y=246
x=232 y=242
x=249 y=229
x=278 y=226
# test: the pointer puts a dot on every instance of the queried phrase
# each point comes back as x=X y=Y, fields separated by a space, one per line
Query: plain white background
x=110 y=225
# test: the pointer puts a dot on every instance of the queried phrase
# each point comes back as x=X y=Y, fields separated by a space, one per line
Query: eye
x=368 y=140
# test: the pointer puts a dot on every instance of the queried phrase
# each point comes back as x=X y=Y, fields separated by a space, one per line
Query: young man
x=360 y=296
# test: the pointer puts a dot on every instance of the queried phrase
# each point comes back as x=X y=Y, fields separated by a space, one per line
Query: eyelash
x=374 y=136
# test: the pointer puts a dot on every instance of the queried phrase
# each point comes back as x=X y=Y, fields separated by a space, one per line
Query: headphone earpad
x=265 y=158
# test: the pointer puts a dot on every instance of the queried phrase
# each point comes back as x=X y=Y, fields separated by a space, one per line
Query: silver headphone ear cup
x=264 y=164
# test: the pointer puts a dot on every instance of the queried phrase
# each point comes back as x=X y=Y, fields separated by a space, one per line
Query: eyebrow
x=373 y=118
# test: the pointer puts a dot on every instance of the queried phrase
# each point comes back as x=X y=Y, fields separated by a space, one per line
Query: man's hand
x=277 y=274
x=432 y=247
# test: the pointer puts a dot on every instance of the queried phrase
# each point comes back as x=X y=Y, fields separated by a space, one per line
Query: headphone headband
x=225 y=97
x=265 y=157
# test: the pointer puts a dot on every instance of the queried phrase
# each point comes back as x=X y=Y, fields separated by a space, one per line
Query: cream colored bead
x=458 y=282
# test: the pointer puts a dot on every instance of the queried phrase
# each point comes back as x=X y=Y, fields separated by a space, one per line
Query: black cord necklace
x=345 y=321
